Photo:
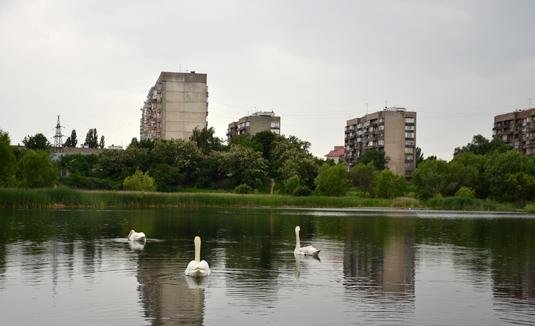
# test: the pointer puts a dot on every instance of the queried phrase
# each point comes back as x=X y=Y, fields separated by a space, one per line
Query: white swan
x=197 y=267
x=136 y=236
x=308 y=250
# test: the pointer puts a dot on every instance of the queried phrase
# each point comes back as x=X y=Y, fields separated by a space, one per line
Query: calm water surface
x=74 y=267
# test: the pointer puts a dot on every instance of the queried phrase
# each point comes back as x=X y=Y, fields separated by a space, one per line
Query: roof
x=338 y=151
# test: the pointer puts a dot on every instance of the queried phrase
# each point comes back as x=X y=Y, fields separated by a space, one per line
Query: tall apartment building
x=392 y=130
x=517 y=129
x=255 y=123
x=175 y=105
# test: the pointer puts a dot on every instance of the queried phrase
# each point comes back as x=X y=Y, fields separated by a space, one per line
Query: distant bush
x=465 y=192
x=243 y=189
x=389 y=185
x=332 y=180
x=36 y=170
x=530 y=208
x=302 y=191
x=81 y=182
x=463 y=203
x=139 y=181
x=291 y=184
x=406 y=202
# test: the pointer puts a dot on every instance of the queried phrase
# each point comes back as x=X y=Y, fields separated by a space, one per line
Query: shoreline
x=62 y=197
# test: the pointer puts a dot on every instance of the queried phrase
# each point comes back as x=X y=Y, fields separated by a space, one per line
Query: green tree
x=374 y=156
x=101 y=143
x=363 y=177
x=419 y=156
x=72 y=140
x=389 y=184
x=521 y=186
x=91 y=138
x=7 y=161
x=500 y=169
x=139 y=181
x=431 y=177
x=266 y=140
x=290 y=156
x=332 y=180
x=243 y=165
x=465 y=192
x=205 y=140
x=36 y=169
x=482 y=146
x=292 y=184
x=37 y=142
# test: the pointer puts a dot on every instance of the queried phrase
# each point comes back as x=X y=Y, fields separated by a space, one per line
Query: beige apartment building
x=175 y=105
x=392 y=130
x=255 y=123
x=517 y=129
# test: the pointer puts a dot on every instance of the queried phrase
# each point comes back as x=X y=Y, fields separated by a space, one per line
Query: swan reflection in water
x=306 y=261
x=135 y=245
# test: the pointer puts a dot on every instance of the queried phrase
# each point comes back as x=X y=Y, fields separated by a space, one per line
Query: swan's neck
x=130 y=234
x=197 y=242
x=297 y=242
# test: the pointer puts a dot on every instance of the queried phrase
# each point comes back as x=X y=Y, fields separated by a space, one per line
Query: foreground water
x=74 y=267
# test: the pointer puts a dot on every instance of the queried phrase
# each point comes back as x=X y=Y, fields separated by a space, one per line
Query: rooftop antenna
x=58 y=137
x=386 y=104
x=529 y=102
x=366 y=108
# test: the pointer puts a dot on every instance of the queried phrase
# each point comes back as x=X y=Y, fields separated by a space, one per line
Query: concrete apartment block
x=517 y=129
x=255 y=123
x=175 y=105
x=392 y=130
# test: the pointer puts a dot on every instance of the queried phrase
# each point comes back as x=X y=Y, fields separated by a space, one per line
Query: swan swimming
x=308 y=250
x=136 y=236
x=197 y=267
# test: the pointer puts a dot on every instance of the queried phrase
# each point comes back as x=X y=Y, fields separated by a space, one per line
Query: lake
x=75 y=267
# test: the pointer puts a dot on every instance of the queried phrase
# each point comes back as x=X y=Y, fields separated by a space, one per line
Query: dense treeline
x=269 y=163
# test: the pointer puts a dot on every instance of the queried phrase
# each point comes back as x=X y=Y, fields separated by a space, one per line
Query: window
x=409 y=150
x=409 y=157
x=276 y=124
x=409 y=128
x=381 y=142
x=409 y=135
x=247 y=124
x=409 y=142
x=381 y=127
x=276 y=131
x=409 y=120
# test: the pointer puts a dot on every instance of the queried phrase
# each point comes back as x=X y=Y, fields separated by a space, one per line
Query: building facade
x=255 y=123
x=392 y=130
x=517 y=129
x=175 y=105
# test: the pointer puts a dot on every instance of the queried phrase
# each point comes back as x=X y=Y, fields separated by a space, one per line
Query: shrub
x=389 y=185
x=332 y=180
x=302 y=191
x=139 y=181
x=406 y=202
x=243 y=189
x=530 y=208
x=465 y=192
x=292 y=184
x=36 y=169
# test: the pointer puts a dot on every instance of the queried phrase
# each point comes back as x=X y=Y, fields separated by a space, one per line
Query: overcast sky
x=315 y=63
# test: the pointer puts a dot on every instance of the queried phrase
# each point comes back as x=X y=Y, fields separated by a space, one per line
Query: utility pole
x=58 y=137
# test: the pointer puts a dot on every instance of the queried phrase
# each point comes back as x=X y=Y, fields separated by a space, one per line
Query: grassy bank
x=66 y=197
